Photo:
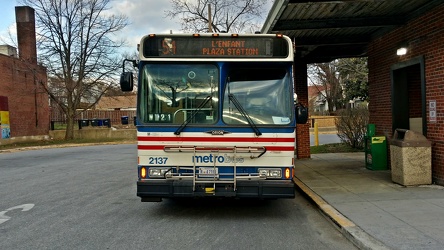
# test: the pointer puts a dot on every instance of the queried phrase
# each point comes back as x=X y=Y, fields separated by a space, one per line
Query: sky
x=145 y=17
x=7 y=17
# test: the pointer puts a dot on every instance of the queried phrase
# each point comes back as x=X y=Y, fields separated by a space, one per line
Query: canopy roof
x=325 y=30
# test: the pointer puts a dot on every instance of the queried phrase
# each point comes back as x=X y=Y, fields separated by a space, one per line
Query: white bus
x=215 y=116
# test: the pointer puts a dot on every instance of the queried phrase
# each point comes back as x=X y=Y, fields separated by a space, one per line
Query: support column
x=301 y=89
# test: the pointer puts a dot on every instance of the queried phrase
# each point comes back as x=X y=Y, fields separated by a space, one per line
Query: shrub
x=352 y=125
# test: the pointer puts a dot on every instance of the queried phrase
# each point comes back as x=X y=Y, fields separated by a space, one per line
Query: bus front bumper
x=155 y=190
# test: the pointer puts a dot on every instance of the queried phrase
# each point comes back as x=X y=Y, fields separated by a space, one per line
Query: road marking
x=24 y=207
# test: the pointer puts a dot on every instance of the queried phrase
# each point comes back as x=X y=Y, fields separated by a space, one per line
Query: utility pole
x=210 y=28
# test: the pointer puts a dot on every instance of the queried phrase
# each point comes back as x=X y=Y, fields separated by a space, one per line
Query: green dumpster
x=375 y=152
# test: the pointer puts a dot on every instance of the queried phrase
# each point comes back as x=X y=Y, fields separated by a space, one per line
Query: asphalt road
x=325 y=139
x=84 y=198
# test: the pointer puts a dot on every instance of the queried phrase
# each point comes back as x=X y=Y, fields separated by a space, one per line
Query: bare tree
x=76 y=46
x=10 y=38
x=354 y=72
x=327 y=76
x=352 y=126
x=226 y=15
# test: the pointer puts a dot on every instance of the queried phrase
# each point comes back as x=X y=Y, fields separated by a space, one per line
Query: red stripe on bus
x=277 y=148
x=150 y=147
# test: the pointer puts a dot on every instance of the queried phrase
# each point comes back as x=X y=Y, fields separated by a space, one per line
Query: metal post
x=316 y=134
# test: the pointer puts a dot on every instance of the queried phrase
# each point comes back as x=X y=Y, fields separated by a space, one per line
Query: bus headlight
x=159 y=172
x=270 y=173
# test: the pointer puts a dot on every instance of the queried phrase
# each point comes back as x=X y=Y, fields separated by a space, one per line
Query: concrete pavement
x=371 y=210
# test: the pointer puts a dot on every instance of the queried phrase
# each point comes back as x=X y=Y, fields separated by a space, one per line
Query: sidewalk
x=371 y=210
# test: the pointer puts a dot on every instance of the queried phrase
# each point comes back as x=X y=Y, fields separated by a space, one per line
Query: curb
x=350 y=230
x=65 y=145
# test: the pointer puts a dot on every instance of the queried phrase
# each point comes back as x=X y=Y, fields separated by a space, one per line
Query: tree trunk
x=70 y=119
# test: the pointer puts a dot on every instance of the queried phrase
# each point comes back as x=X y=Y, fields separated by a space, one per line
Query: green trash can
x=375 y=152
x=371 y=128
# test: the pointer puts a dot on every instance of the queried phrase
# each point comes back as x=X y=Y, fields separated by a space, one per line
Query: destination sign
x=231 y=47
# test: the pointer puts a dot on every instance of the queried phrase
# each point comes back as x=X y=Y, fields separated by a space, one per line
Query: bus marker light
x=196 y=35
x=234 y=35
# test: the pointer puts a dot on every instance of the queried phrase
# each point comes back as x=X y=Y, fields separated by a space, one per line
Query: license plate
x=208 y=171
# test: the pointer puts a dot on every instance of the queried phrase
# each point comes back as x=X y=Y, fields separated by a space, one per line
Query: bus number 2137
x=158 y=160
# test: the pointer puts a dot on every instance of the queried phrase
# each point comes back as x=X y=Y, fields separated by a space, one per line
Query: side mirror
x=126 y=78
x=301 y=114
x=126 y=81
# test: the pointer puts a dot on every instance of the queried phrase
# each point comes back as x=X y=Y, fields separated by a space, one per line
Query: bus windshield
x=172 y=93
x=263 y=92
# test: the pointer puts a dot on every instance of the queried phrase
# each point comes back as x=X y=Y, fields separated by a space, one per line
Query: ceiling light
x=401 y=51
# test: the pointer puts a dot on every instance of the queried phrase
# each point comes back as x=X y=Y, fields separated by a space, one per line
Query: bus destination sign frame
x=214 y=47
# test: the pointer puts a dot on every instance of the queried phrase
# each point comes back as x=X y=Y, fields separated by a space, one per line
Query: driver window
x=176 y=92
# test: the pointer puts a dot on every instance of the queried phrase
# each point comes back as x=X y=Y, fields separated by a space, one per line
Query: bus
x=216 y=116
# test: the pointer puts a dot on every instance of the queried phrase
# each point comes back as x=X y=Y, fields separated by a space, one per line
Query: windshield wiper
x=244 y=113
x=199 y=108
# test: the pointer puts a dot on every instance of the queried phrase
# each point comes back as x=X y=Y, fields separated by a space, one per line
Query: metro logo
x=216 y=159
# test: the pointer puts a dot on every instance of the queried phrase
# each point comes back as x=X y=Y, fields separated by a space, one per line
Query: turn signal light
x=287 y=173
x=143 y=172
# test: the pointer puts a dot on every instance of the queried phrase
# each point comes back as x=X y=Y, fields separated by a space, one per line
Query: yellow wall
x=4 y=125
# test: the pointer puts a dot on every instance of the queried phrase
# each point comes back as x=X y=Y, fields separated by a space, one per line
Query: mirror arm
x=135 y=63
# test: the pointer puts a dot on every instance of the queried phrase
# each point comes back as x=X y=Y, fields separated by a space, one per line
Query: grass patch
x=333 y=148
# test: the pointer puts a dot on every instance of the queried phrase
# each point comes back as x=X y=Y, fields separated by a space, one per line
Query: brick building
x=402 y=87
x=22 y=80
x=405 y=91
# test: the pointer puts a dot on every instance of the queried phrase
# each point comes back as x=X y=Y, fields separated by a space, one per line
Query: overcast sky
x=145 y=16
